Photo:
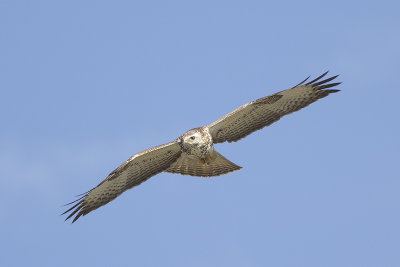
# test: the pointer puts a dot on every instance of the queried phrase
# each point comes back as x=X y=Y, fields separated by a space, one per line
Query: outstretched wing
x=132 y=172
x=267 y=110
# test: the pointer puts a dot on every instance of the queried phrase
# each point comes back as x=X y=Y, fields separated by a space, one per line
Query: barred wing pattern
x=132 y=172
x=267 y=110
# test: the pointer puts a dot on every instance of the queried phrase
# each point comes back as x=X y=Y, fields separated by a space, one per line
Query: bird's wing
x=267 y=110
x=132 y=172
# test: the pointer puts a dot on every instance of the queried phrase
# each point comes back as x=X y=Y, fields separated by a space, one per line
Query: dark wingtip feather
x=317 y=84
x=77 y=216
x=84 y=194
x=77 y=207
x=318 y=78
x=300 y=83
x=324 y=86
x=74 y=201
x=325 y=81
x=332 y=91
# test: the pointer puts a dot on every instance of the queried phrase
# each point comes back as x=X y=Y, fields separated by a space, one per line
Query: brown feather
x=218 y=165
x=133 y=172
x=267 y=110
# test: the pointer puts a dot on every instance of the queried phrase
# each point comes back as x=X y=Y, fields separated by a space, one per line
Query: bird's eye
x=192 y=137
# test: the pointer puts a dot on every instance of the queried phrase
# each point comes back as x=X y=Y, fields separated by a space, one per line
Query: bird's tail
x=215 y=165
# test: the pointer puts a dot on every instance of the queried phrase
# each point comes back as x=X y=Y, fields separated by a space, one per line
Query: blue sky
x=86 y=84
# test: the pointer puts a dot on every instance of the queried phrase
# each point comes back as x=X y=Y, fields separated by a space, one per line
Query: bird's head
x=192 y=137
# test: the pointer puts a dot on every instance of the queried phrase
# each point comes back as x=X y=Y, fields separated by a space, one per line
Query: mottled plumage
x=193 y=152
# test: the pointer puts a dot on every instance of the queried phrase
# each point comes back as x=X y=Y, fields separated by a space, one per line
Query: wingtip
x=318 y=78
x=300 y=83
x=77 y=217
x=325 y=73
x=74 y=200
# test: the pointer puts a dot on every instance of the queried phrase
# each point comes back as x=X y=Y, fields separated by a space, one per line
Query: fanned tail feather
x=218 y=165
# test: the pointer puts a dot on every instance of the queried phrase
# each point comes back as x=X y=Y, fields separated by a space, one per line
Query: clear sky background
x=86 y=84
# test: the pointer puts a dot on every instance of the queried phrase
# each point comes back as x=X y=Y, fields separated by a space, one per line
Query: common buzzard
x=193 y=152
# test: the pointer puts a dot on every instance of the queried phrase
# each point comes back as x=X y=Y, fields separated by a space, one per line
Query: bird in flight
x=193 y=152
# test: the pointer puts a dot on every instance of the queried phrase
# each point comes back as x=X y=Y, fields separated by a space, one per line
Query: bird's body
x=193 y=152
x=198 y=157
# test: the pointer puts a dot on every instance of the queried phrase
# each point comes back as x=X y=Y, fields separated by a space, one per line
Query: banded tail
x=214 y=166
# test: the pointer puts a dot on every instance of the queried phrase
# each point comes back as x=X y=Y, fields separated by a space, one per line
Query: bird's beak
x=185 y=139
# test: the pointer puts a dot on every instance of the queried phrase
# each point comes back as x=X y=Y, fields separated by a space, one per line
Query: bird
x=193 y=152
